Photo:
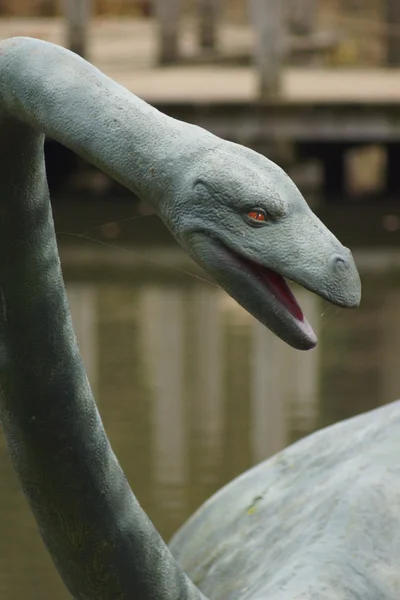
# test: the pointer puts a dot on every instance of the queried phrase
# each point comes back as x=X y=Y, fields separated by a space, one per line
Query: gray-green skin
x=102 y=543
x=318 y=521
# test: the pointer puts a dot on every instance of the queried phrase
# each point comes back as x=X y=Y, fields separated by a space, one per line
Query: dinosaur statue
x=241 y=218
x=318 y=521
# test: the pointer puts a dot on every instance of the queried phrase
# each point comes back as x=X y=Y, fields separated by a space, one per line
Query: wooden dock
x=126 y=50
x=321 y=114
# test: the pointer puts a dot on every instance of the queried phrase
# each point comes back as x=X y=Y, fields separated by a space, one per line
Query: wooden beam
x=167 y=14
x=392 y=13
x=78 y=14
x=267 y=18
x=302 y=16
x=208 y=11
x=392 y=175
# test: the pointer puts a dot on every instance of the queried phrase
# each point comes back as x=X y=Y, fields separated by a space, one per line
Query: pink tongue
x=280 y=289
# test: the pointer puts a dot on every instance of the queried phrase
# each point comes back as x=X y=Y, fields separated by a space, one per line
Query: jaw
x=262 y=292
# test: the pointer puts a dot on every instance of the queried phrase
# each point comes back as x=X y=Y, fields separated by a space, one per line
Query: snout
x=342 y=284
x=318 y=261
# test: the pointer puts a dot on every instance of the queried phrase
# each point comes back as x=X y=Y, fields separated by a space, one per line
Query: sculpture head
x=242 y=218
x=234 y=211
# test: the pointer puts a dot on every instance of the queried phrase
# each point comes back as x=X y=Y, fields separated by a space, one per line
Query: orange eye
x=257 y=215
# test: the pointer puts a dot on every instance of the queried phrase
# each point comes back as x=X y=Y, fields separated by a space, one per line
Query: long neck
x=68 y=99
x=100 y=539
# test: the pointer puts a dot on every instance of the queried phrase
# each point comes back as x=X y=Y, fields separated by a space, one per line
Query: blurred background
x=191 y=389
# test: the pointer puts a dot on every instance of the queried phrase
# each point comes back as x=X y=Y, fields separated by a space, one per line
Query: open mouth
x=264 y=293
x=276 y=284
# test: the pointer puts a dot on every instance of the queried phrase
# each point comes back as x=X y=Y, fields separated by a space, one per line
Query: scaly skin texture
x=318 y=521
x=101 y=541
x=202 y=187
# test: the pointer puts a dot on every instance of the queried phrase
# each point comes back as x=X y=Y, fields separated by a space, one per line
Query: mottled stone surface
x=320 y=520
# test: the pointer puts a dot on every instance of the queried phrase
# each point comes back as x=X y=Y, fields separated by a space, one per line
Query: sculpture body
x=318 y=521
x=243 y=219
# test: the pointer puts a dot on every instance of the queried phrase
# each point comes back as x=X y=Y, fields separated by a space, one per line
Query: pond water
x=193 y=391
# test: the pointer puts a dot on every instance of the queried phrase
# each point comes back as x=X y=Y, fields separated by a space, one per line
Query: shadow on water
x=193 y=391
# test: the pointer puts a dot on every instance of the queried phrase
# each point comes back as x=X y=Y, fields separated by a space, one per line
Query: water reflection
x=193 y=391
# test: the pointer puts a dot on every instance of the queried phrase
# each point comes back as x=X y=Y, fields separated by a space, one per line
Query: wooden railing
x=272 y=21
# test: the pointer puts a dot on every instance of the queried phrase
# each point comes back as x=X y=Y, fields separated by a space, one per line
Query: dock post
x=392 y=13
x=77 y=14
x=333 y=157
x=167 y=13
x=392 y=170
x=268 y=19
x=302 y=16
x=208 y=14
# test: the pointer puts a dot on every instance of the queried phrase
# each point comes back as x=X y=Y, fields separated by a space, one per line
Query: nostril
x=339 y=262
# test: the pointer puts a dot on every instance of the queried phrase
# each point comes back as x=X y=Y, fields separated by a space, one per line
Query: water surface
x=193 y=391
